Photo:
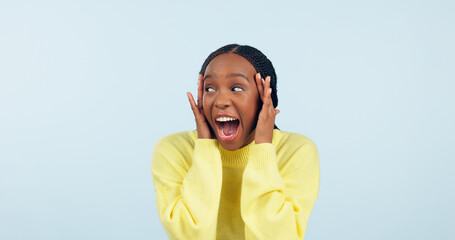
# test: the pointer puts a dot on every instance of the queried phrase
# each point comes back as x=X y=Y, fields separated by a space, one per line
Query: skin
x=231 y=86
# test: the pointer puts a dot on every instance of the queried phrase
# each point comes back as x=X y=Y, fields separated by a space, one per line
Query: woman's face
x=231 y=100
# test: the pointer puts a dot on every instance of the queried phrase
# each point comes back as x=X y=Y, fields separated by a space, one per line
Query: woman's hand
x=203 y=130
x=266 y=119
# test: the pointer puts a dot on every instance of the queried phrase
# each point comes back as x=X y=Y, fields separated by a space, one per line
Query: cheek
x=256 y=104
x=251 y=109
x=206 y=106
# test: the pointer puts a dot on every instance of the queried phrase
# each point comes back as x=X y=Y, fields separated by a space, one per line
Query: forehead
x=229 y=63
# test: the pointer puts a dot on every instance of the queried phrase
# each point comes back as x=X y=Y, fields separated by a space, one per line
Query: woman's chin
x=231 y=146
x=239 y=141
x=230 y=143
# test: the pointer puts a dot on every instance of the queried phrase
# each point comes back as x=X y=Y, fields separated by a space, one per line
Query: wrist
x=262 y=140
x=204 y=136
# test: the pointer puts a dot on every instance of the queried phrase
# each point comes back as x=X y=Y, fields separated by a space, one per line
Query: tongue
x=230 y=127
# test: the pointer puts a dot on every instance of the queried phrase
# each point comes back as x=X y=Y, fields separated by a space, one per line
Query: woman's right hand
x=203 y=130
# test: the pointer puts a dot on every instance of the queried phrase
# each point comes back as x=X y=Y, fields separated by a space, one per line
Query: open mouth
x=227 y=127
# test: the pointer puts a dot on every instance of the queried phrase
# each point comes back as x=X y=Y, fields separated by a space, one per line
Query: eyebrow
x=229 y=76
x=209 y=76
x=237 y=75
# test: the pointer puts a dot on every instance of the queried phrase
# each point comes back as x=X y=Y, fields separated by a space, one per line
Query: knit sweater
x=261 y=191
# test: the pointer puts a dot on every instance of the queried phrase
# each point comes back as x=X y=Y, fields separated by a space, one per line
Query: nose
x=222 y=100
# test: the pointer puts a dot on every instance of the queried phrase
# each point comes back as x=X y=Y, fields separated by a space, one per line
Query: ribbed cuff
x=262 y=156
x=206 y=152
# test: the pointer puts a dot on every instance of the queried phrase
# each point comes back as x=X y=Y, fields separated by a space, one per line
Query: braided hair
x=259 y=61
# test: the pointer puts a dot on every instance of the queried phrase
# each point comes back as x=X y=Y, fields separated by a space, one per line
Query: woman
x=237 y=176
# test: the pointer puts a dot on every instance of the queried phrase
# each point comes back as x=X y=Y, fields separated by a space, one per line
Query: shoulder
x=175 y=146
x=171 y=156
x=179 y=140
x=294 y=150
x=288 y=140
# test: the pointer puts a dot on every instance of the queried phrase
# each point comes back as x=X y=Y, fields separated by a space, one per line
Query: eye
x=209 y=89
x=237 y=89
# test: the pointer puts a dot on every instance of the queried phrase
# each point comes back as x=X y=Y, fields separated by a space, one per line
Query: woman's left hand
x=266 y=119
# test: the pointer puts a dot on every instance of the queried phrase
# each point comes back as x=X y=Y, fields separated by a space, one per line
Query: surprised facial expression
x=231 y=100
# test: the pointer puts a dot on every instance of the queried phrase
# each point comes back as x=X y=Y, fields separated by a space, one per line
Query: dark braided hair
x=259 y=61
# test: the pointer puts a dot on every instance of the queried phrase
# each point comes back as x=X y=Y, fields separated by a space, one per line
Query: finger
x=268 y=90
x=260 y=86
x=200 y=91
x=268 y=99
x=264 y=94
x=266 y=83
x=192 y=103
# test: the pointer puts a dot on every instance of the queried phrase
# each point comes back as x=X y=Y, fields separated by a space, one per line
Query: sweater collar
x=237 y=158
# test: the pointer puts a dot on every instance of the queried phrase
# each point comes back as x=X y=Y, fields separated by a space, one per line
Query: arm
x=187 y=199
x=276 y=206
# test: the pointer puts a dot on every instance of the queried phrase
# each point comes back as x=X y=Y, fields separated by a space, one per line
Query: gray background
x=88 y=87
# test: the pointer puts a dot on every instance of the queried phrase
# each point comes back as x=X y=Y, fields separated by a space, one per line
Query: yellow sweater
x=261 y=191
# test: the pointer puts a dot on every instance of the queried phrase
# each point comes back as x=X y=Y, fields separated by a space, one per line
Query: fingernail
x=259 y=75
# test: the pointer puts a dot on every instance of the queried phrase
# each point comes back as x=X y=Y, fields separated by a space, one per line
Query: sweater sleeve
x=275 y=206
x=187 y=196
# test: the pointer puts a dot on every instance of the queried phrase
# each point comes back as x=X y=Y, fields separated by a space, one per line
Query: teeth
x=225 y=119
